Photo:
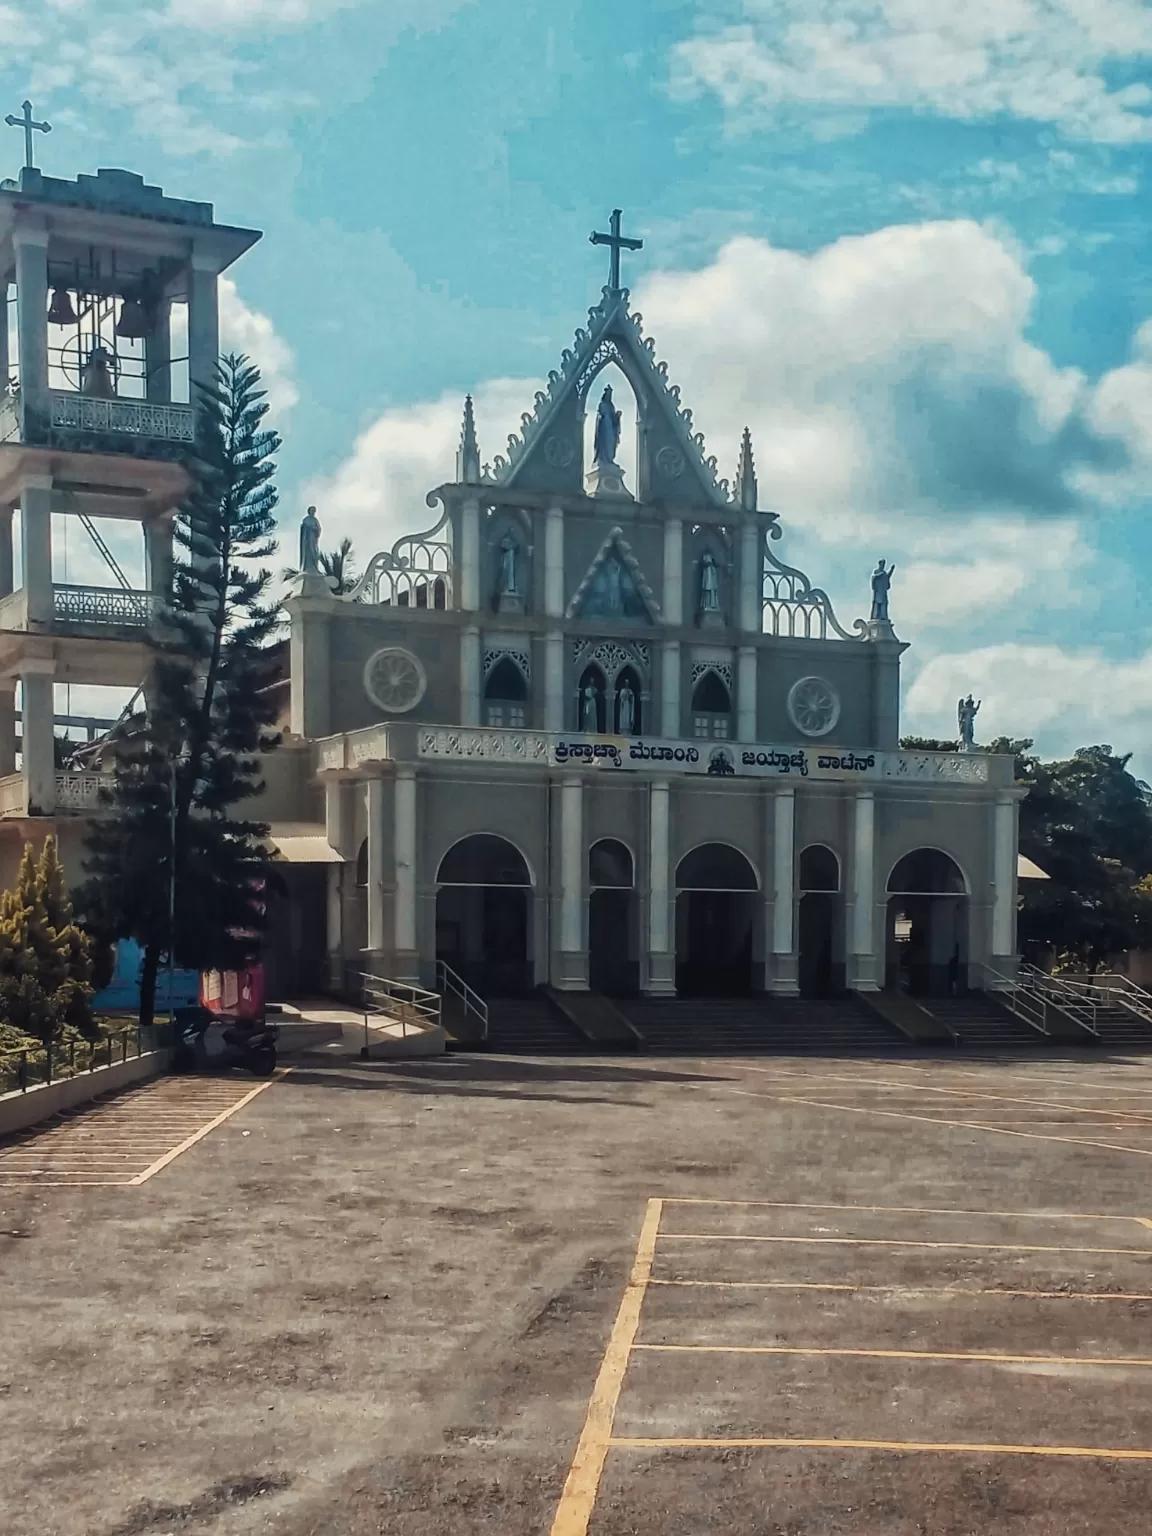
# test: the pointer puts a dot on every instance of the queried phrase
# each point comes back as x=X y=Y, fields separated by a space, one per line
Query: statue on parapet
x=881 y=582
x=966 y=712
x=310 y=542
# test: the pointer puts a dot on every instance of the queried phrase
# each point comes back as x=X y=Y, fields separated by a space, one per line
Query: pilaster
x=203 y=321
x=746 y=693
x=673 y=604
x=470 y=555
x=405 y=958
x=670 y=715
x=36 y=539
x=554 y=563
x=865 y=968
x=374 y=797
x=470 y=675
x=781 y=859
x=37 y=744
x=554 y=681
x=7 y=726
x=572 y=961
x=6 y=567
x=310 y=703
x=1003 y=926
x=661 y=980
x=751 y=578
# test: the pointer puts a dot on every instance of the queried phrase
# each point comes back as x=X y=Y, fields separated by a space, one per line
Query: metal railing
x=1034 y=996
x=38 y=1066
x=1018 y=998
x=411 y=1006
x=129 y=418
x=1109 y=989
x=1057 y=991
x=102 y=605
x=448 y=983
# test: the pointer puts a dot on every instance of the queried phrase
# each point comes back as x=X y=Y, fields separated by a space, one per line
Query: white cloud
x=246 y=330
x=1048 y=61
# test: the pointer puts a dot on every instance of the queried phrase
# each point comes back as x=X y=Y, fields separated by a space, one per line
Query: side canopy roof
x=548 y=452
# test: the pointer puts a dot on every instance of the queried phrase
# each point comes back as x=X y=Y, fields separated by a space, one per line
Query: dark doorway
x=482 y=915
x=715 y=914
x=296 y=947
x=820 y=924
x=613 y=964
x=927 y=932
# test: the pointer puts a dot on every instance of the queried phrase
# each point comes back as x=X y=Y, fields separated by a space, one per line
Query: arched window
x=711 y=708
x=590 y=697
x=505 y=695
x=483 y=859
x=626 y=710
x=715 y=867
x=439 y=593
x=926 y=872
x=610 y=864
x=819 y=869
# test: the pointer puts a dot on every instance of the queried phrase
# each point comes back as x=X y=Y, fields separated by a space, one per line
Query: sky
x=909 y=244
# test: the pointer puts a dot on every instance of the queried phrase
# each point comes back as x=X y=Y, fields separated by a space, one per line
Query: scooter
x=210 y=1042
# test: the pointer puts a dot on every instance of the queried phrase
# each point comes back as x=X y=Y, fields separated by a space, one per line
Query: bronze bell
x=133 y=322
x=60 y=311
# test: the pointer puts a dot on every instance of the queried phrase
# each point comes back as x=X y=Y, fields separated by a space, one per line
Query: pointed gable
x=614 y=586
x=548 y=452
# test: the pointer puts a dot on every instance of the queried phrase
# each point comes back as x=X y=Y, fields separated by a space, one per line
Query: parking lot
x=620 y=1297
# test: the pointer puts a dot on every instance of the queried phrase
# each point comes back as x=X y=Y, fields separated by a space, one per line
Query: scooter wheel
x=261 y=1063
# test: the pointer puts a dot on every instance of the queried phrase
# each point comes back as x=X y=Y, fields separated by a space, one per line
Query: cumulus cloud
x=1047 y=61
x=246 y=330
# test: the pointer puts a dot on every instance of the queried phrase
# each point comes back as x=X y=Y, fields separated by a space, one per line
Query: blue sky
x=912 y=249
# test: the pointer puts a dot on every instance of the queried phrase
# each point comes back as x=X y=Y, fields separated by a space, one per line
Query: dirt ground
x=378 y=1299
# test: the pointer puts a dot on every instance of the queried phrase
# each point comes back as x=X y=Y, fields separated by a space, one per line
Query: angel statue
x=966 y=712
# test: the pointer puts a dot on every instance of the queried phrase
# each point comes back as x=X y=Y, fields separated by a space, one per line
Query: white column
x=7 y=726
x=862 y=943
x=404 y=853
x=158 y=555
x=670 y=689
x=783 y=862
x=37 y=745
x=6 y=572
x=203 y=322
x=554 y=563
x=1004 y=878
x=5 y=360
x=470 y=675
x=571 y=865
x=158 y=354
x=751 y=577
x=375 y=796
x=36 y=540
x=746 y=694
x=470 y=555
x=661 y=949
x=334 y=920
x=554 y=682
x=673 y=571
x=32 y=309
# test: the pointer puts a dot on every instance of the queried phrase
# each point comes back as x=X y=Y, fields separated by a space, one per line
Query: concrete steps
x=1122 y=1030
x=771 y=1025
x=530 y=1026
x=985 y=1025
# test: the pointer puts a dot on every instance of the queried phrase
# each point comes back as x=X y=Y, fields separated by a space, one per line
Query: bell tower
x=114 y=286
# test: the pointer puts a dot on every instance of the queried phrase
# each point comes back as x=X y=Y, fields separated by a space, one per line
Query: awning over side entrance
x=302 y=842
x=1026 y=870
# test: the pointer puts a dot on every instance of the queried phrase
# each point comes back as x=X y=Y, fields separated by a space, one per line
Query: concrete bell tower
x=97 y=407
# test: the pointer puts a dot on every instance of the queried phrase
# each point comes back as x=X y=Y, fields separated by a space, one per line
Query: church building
x=589 y=728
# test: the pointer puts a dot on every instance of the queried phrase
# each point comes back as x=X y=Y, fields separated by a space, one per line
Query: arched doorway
x=715 y=912
x=820 y=924
x=483 y=887
x=927 y=936
x=612 y=940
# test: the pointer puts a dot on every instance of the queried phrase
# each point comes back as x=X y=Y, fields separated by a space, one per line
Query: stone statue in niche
x=607 y=437
x=626 y=708
x=589 y=709
x=508 y=574
x=310 y=541
x=881 y=581
x=708 y=603
x=966 y=712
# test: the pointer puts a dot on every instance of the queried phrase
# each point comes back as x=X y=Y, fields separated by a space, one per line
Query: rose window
x=813 y=706
x=394 y=679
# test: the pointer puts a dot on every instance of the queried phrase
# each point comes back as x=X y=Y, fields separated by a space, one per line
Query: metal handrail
x=1118 y=990
x=448 y=981
x=383 y=996
x=1018 y=999
x=1064 y=995
x=34 y=1066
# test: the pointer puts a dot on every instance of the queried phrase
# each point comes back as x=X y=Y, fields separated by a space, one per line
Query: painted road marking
x=891 y=1242
x=969 y=1356
x=648 y=1443
x=583 y=1481
x=190 y=1141
x=907 y=1210
x=912 y=1290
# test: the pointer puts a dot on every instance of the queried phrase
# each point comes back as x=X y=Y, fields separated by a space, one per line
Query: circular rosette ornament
x=813 y=706
x=395 y=680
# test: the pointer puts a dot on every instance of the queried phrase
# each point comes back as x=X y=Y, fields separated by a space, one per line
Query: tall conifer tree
x=185 y=761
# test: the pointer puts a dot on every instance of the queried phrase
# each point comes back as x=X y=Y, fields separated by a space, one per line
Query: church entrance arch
x=715 y=911
x=820 y=924
x=612 y=936
x=927 y=931
x=483 y=906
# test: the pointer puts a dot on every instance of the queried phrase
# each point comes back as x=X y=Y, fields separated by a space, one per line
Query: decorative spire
x=746 y=493
x=468 y=454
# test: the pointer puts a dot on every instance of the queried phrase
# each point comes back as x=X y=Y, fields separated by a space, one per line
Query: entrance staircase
x=784 y=1025
x=980 y=1023
x=531 y=1026
x=1122 y=1010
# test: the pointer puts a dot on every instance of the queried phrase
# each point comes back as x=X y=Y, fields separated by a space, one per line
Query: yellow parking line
x=905 y=1210
x=913 y=1290
x=583 y=1482
x=966 y=1357
x=891 y=1242
x=190 y=1141
x=648 y=1443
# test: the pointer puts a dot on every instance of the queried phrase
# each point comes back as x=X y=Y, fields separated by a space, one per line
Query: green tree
x=74 y=997
x=45 y=964
x=184 y=762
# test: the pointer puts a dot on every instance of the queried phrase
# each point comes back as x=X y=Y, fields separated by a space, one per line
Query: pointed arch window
x=711 y=709
x=506 y=695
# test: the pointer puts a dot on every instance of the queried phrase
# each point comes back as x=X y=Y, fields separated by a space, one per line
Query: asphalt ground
x=764 y=1297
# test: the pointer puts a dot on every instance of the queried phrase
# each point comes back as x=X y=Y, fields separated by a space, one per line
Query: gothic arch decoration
x=793 y=607
x=673 y=459
x=521 y=659
x=608 y=665
x=415 y=573
x=614 y=586
x=711 y=693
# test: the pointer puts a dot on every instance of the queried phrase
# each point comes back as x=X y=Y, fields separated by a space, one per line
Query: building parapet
x=75 y=794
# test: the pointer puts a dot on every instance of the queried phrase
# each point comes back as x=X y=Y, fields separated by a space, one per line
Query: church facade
x=600 y=734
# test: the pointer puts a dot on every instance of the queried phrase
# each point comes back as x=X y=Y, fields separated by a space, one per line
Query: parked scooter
x=210 y=1042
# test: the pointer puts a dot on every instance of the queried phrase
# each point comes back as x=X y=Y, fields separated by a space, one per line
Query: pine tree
x=183 y=763
x=45 y=964
x=73 y=1000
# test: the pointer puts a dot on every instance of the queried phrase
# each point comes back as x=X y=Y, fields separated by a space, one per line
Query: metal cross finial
x=26 y=122
x=619 y=243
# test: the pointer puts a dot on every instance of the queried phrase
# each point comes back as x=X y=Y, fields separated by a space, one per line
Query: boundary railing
x=38 y=1066
x=448 y=983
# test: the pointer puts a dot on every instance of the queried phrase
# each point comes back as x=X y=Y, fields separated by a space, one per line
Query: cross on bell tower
x=618 y=243
x=28 y=124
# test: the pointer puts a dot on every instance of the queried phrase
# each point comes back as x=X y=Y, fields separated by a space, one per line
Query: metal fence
x=36 y=1066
